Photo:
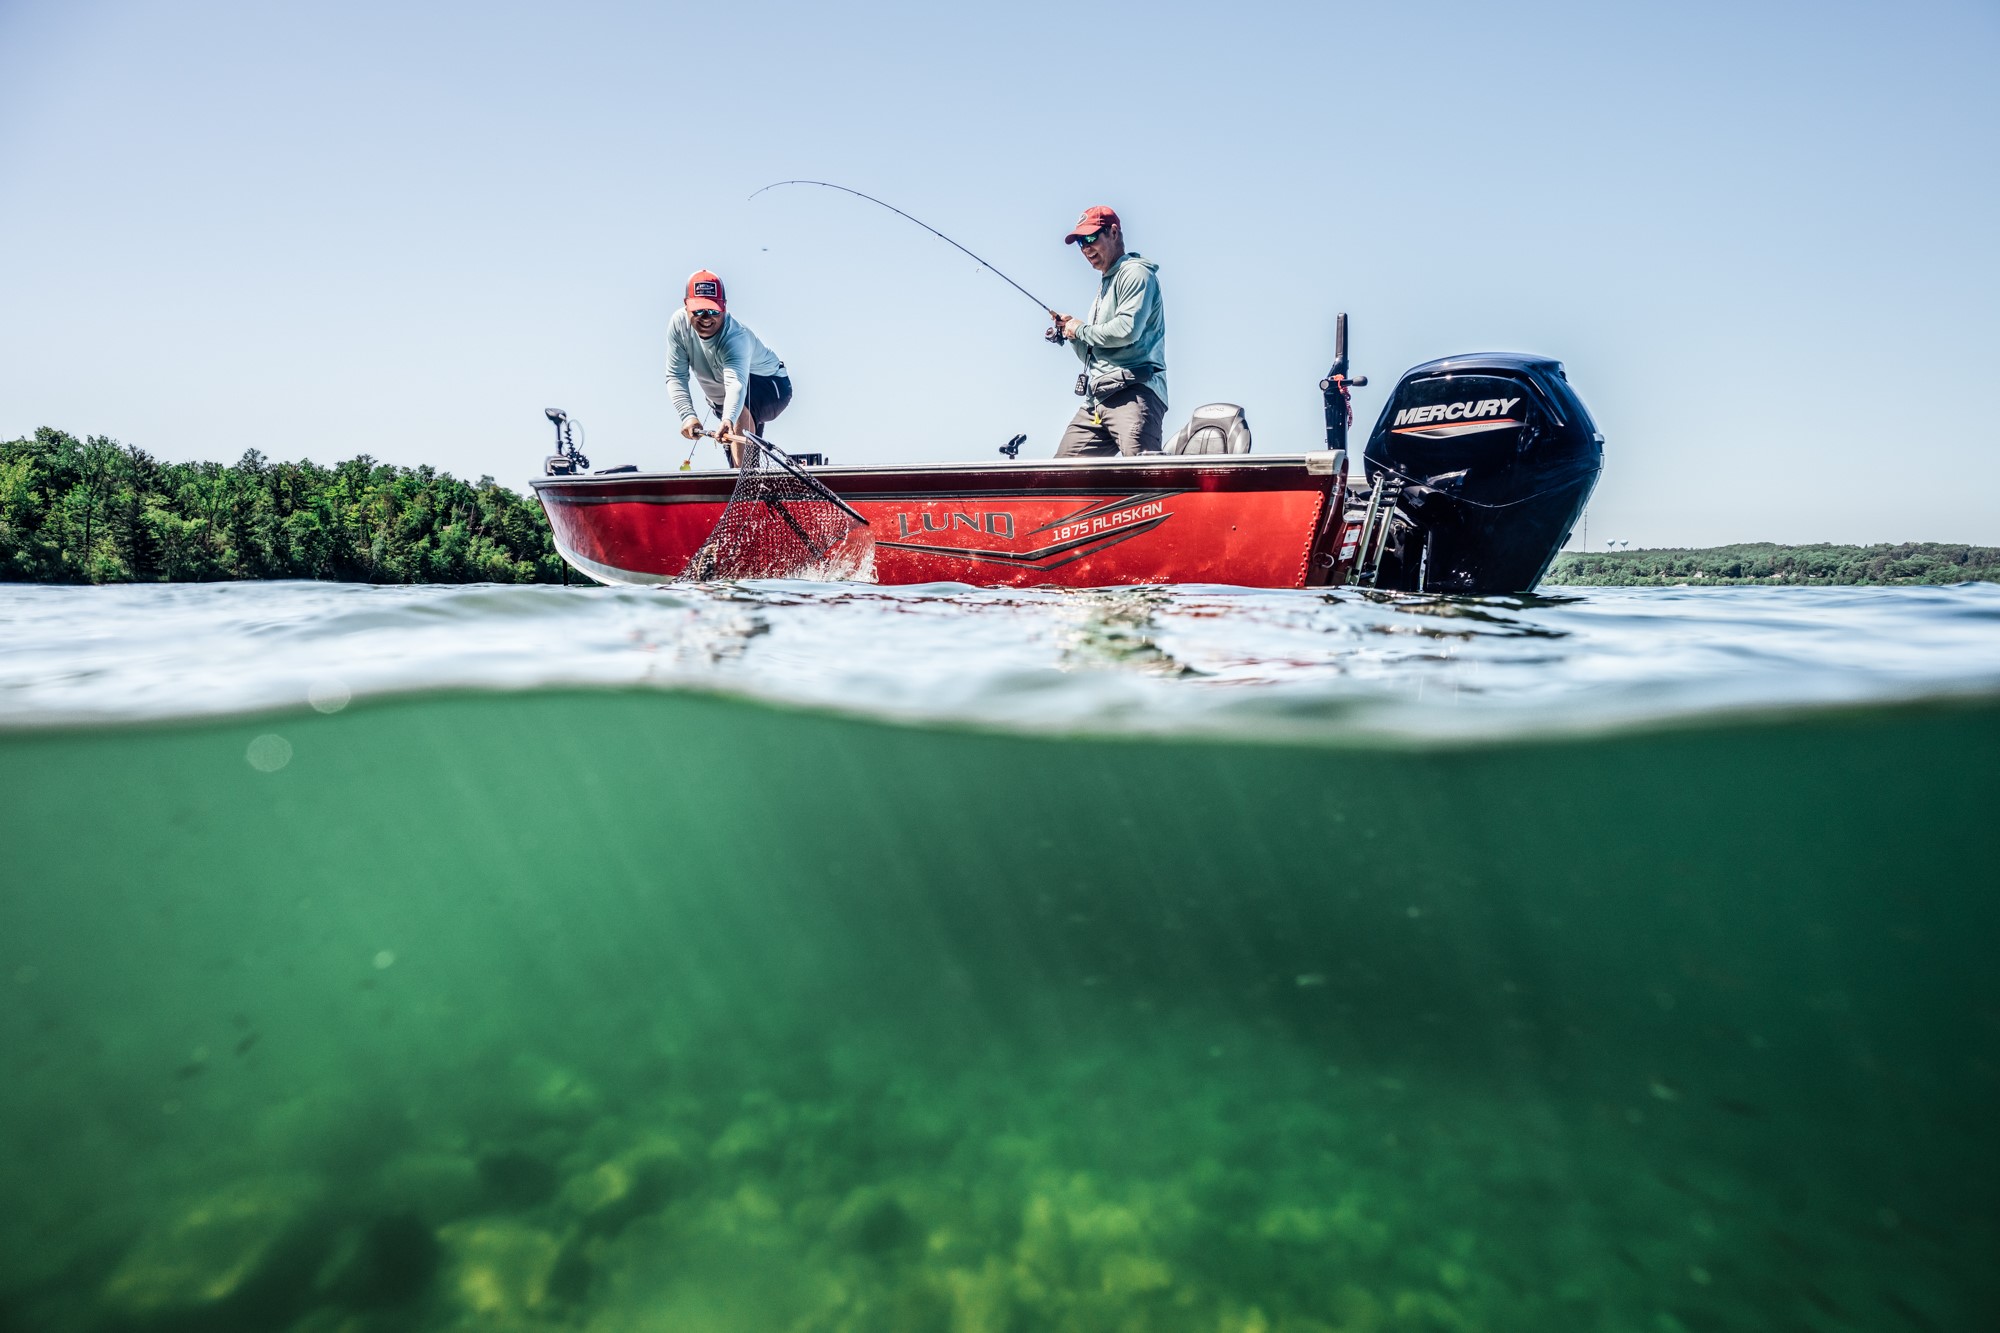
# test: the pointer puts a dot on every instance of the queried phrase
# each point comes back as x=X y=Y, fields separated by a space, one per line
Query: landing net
x=782 y=523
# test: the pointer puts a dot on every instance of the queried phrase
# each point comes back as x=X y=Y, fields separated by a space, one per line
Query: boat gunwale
x=1043 y=474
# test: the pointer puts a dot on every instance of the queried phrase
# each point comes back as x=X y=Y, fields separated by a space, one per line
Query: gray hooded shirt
x=1127 y=328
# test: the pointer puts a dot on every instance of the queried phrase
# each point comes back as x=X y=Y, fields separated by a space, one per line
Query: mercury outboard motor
x=1479 y=466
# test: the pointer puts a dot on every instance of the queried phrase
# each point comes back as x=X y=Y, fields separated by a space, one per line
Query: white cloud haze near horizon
x=1760 y=237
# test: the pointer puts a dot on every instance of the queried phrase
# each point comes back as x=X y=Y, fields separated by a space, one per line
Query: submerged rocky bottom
x=1215 y=1180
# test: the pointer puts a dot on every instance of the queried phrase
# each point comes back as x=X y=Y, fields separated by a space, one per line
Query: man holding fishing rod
x=1121 y=345
x=744 y=380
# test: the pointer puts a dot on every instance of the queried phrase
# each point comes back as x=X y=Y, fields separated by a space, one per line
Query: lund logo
x=1485 y=407
x=1000 y=525
x=1074 y=535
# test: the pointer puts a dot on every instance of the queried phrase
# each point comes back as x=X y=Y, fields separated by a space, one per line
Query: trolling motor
x=1334 y=388
x=567 y=460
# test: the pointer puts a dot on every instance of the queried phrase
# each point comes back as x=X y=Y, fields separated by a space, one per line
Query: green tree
x=95 y=511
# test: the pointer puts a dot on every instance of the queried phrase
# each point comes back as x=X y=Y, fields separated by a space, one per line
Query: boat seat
x=1215 y=428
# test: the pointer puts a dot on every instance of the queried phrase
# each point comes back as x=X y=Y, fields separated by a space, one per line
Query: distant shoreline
x=95 y=511
x=1768 y=563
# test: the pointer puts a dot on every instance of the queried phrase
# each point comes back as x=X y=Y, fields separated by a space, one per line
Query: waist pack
x=1110 y=381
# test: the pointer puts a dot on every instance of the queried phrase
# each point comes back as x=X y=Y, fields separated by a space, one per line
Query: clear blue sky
x=1762 y=237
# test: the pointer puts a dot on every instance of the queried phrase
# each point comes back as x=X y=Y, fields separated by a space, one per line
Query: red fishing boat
x=1079 y=523
x=1474 y=474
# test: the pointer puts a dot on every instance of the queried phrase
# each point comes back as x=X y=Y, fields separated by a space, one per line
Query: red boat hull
x=1269 y=522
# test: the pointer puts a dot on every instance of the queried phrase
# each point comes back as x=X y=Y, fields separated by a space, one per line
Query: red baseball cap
x=705 y=292
x=1093 y=220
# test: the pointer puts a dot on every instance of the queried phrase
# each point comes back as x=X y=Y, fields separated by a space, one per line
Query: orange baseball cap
x=1093 y=221
x=705 y=292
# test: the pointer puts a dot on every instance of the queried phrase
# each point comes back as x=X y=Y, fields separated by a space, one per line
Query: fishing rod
x=1047 y=309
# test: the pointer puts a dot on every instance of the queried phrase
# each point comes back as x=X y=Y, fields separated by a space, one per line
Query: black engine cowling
x=1482 y=464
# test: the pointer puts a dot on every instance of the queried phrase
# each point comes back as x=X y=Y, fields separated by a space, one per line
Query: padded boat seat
x=1216 y=428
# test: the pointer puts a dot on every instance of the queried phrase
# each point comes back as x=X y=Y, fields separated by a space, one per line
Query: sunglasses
x=1091 y=239
x=704 y=314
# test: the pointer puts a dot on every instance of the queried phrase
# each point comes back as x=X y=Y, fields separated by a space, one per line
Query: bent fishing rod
x=1047 y=309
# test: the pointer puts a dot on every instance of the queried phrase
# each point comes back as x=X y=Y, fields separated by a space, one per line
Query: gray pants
x=1129 y=422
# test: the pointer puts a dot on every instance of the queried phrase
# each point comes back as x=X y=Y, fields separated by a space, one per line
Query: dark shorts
x=769 y=396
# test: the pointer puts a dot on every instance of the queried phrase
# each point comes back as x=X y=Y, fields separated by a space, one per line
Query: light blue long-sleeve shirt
x=1127 y=327
x=722 y=365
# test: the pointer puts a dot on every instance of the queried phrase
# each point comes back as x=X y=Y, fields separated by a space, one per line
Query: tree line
x=1769 y=563
x=96 y=511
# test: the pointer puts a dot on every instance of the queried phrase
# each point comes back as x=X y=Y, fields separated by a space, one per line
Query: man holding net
x=744 y=381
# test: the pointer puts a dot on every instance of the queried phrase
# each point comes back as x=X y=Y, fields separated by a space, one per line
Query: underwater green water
x=667 y=1011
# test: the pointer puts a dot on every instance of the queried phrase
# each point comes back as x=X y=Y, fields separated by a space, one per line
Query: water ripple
x=1292 y=665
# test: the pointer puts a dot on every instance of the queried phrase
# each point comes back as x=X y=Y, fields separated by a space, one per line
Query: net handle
x=784 y=460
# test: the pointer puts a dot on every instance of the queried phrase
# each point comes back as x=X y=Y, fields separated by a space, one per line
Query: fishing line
x=1047 y=309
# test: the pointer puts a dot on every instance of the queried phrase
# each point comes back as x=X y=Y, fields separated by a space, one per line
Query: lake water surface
x=815 y=957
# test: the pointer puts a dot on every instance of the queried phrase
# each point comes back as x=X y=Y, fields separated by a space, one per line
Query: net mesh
x=780 y=525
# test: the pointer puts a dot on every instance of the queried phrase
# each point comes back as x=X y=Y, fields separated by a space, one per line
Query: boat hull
x=1268 y=522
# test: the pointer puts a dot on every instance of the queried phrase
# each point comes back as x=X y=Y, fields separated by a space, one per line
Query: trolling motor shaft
x=567 y=460
x=1334 y=388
